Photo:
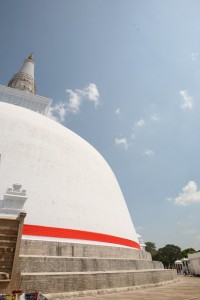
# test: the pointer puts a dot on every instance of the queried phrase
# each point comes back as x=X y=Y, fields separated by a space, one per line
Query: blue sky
x=125 y=76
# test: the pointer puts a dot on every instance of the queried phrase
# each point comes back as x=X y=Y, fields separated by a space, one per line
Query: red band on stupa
x=35 y=230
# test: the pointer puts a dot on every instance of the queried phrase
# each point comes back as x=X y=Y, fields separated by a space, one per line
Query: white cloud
x=59 y=111
x=189 y=231
x=180 y=223
x=117 y=111
x=154 y=118
x=187 y=100
x=121 y=141
x=194 y=56
x=74 y=101
x=189 y=195
x=90 y=93
x=148 y=153
x=140 y=123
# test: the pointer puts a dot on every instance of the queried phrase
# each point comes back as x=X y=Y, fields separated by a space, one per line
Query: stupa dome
x=72 y=192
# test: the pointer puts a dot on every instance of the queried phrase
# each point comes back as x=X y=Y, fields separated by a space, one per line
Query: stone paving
x=186 y=288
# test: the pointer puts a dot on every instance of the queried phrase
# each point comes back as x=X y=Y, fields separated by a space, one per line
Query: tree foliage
x=151 y=248
x=168 y=254
x=187 y=251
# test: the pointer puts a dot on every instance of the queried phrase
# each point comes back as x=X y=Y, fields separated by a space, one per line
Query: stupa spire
x=31 y=57
x=24 y=79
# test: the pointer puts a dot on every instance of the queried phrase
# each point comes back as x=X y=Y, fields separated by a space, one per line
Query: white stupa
x=72 y=192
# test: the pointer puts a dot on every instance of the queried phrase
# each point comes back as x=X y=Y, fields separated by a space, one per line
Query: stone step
x=4 y=276
x=58 y=282
x=6 y=259
x=6 y=264
x=6 y=250
x=8 y=231
x=9 y=222
x=69 y=264
x=7 y=243
x=47 y=248
x=5 y=237
x=7 y=270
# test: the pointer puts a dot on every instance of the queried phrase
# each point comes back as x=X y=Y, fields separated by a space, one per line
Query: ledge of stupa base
x=64 y=282
x=61 y=296
x=77 y=249
x=30 y=264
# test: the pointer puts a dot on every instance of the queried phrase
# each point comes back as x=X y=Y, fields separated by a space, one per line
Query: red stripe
x=36 y=230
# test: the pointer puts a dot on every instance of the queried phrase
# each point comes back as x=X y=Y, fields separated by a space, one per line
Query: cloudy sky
x=125 y=76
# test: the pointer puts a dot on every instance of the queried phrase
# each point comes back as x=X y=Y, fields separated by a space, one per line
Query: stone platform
x=63 y=269
x=184 y=288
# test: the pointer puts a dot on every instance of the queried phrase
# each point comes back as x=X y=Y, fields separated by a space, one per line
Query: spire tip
x=31 y=57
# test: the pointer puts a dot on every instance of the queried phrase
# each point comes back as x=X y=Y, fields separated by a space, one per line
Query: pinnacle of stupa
x=24 y=79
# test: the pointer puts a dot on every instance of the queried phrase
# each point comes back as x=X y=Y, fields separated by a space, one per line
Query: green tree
x=168 y=254
x=151 y=248
x=187 y=251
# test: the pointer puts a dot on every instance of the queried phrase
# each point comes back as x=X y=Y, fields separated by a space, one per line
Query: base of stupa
x=61 y=270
